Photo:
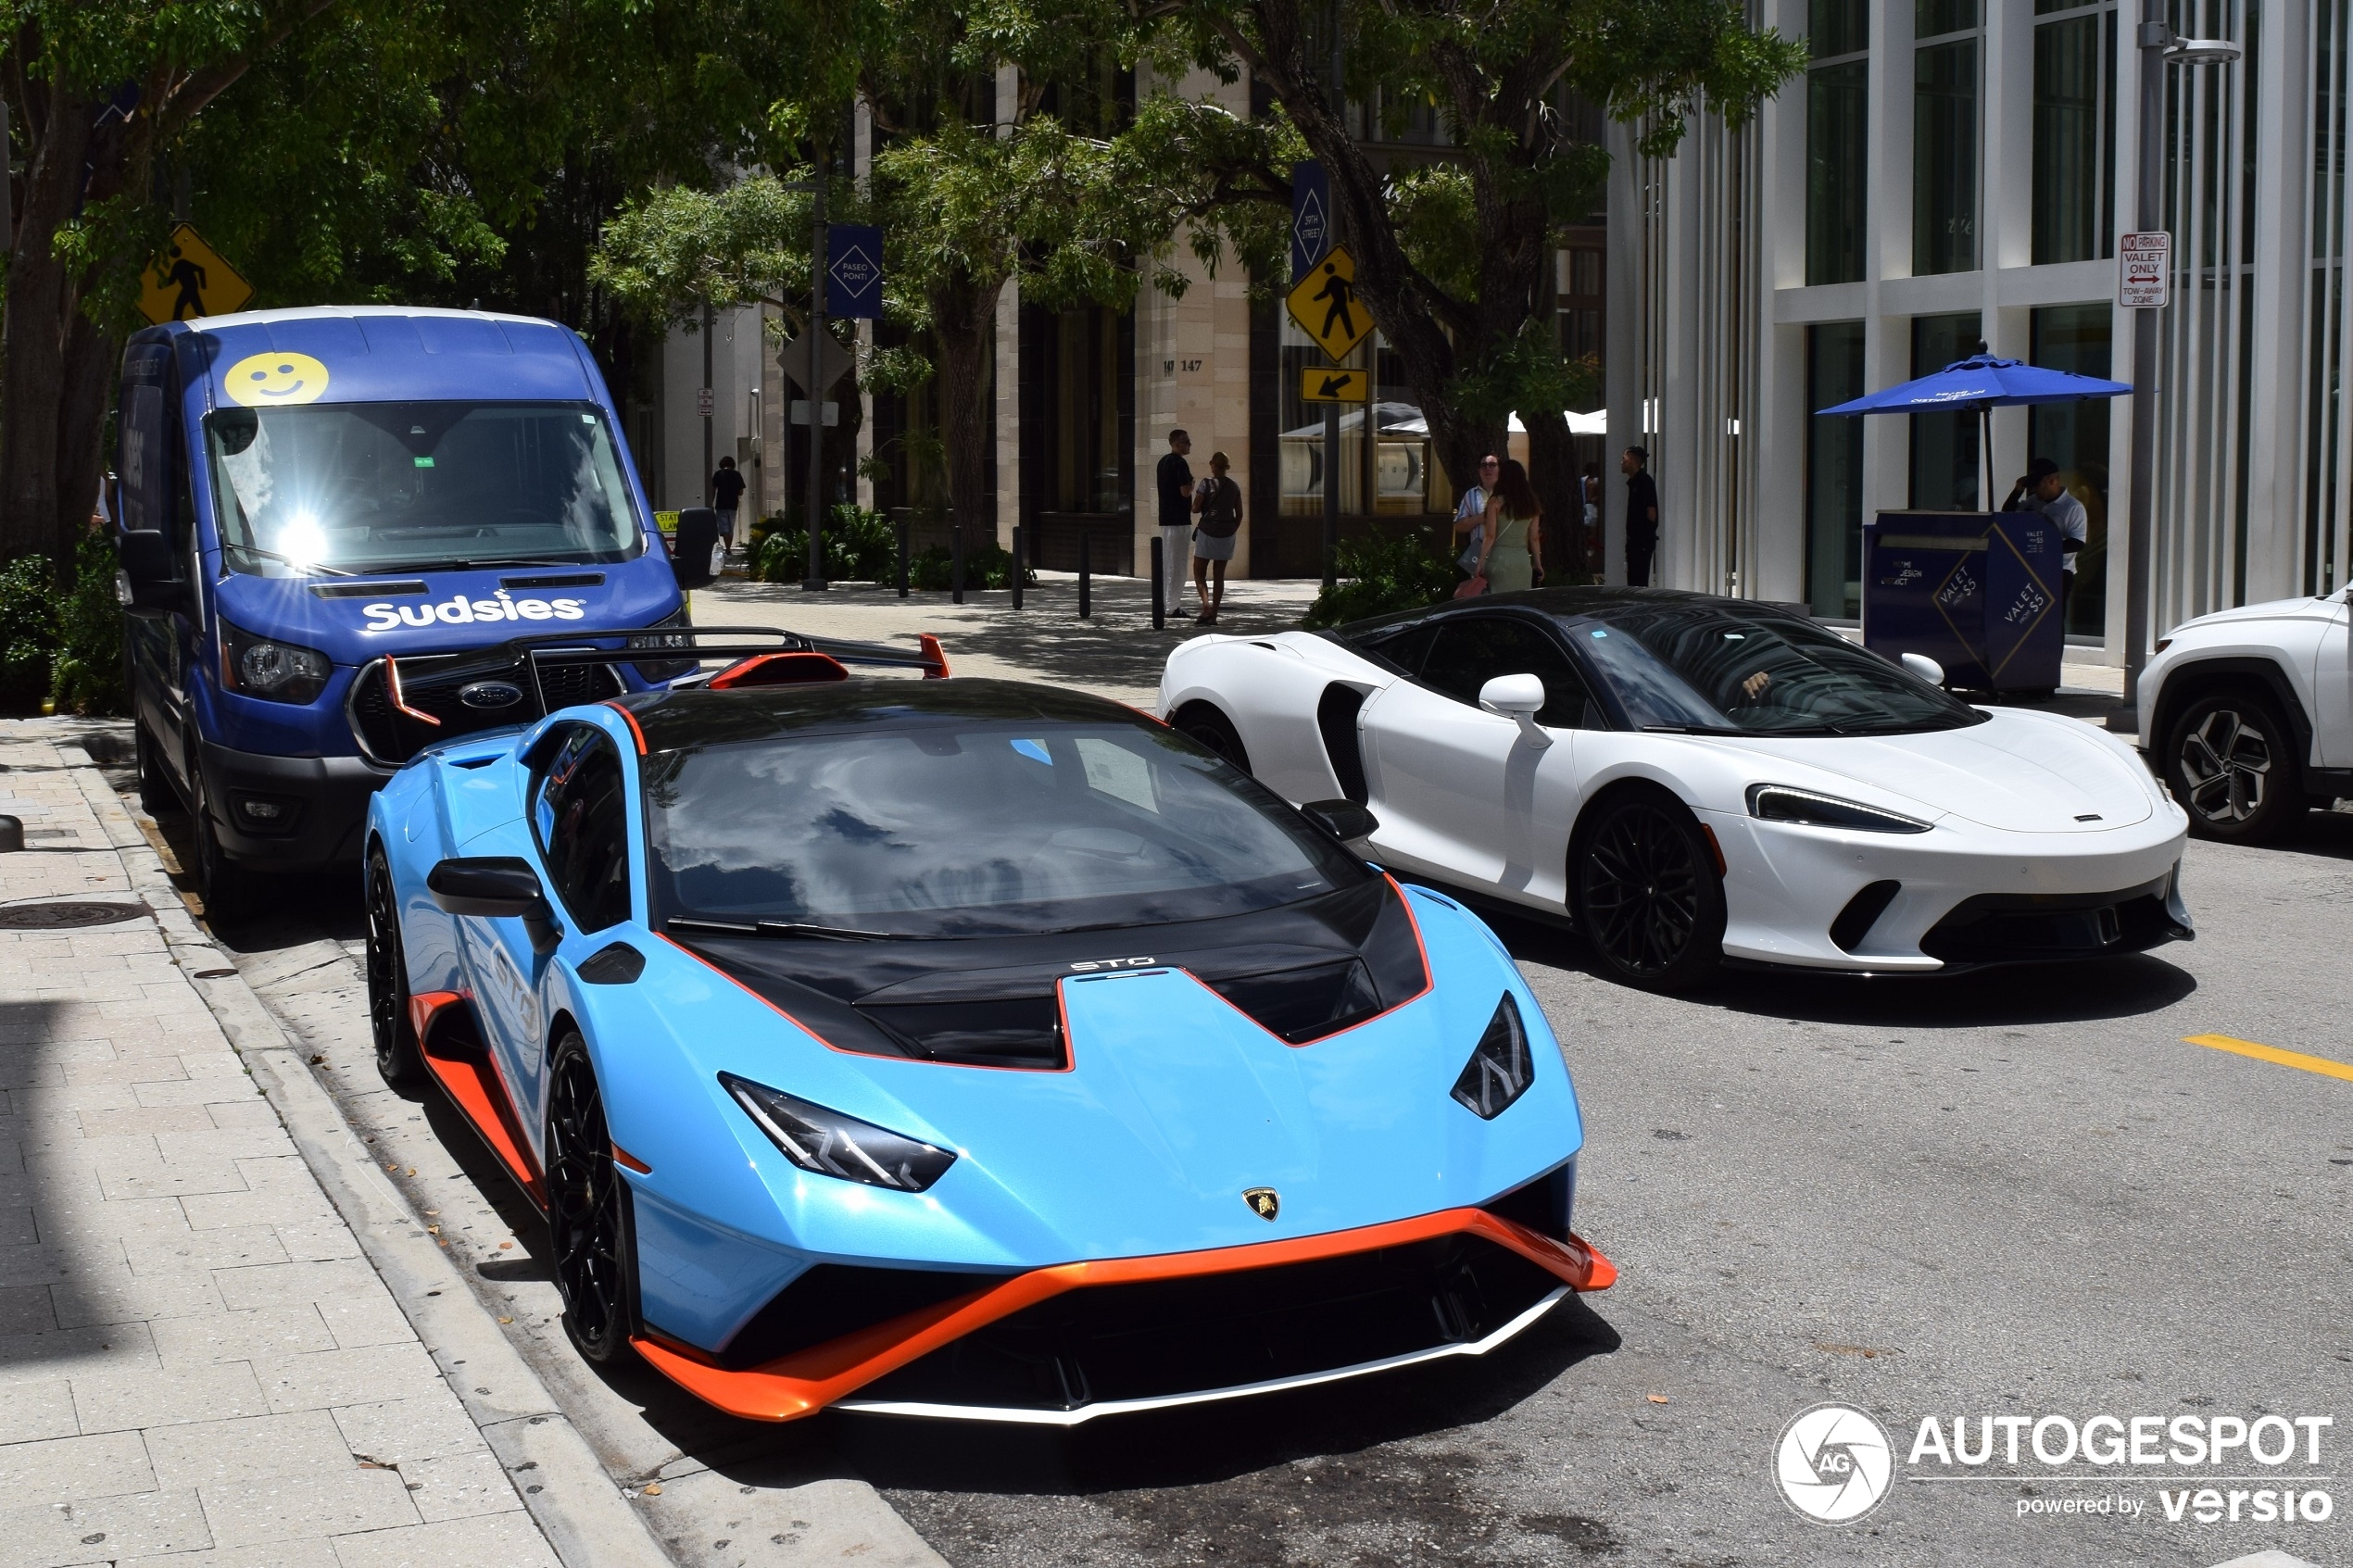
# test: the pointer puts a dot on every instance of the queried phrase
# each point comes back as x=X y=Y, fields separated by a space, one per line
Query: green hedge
x=860 y=546
x=66 y=648
x=986 y=565
x=1381 y=575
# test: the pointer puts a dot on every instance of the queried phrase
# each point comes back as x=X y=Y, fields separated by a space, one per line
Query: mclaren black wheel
x=398 y=1057
x=587 y=1211
x=1204 y=724
x=1646 y=893
x=2231 y=762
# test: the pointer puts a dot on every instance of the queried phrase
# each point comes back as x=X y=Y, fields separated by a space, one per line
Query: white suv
x=2248 y=714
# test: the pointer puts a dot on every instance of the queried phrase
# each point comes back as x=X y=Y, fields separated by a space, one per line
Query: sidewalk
x=195 y=1357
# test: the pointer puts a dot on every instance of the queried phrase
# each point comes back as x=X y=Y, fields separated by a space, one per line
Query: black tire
x=227 y=888
x=399 y=1058
x=589 y=1216
x=2230 y=761
x=157 y=794
x=1646 y=893
x=1204 y=724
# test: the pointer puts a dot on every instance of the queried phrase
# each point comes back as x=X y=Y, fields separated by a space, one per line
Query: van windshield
x=363 y=487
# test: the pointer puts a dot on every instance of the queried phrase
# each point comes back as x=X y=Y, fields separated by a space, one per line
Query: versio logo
x=1834 y=1463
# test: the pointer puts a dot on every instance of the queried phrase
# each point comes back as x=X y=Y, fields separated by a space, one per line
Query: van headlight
x=1780 y=803
x=270 y=669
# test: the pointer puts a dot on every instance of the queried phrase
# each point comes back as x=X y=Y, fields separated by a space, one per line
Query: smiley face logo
x=268 y=380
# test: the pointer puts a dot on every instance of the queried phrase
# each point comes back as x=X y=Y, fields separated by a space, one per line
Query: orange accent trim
x=629 y=1161
x=631 y=719
x=821 y=667
x=933 y=656
x=392 y=683
x=809 y=1380
x=471 y=1082
x=1715 y=849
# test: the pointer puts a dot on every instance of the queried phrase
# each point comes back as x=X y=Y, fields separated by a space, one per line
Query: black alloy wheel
x=588 y=1211
x=1203 y=724
x=2232 y=763
x=1646 y=893
x=399 y=1056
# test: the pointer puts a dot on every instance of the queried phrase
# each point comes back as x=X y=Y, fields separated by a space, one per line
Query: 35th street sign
x=2144 y=270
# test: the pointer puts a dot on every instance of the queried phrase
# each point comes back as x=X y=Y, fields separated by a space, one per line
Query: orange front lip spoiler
x=807 y=1381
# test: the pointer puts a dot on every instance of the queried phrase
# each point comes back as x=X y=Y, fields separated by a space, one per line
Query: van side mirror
x=149 y=582
x=1344 y=820
x=496 y=887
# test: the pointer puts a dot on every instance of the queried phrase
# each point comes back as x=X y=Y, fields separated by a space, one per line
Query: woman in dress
x=1219 y=504
x=1515 y=544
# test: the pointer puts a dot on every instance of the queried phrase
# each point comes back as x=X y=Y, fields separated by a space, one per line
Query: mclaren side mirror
x=497 y=886
x=149 y=582
x=1344 y=820
x=1925 y=668
x=1519 y=698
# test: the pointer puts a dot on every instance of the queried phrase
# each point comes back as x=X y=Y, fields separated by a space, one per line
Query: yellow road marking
x=2319 y=1064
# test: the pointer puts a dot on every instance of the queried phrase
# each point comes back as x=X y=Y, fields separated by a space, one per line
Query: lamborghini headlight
x=1499 y=1069
x=1780 y=803
x=826 y=1143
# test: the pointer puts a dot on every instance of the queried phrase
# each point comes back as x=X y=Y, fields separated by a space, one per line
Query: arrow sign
x=1324 y=304
x=1334 y=386
x=190 y=280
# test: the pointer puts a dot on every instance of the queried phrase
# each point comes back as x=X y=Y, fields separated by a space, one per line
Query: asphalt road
x=2013 y=1194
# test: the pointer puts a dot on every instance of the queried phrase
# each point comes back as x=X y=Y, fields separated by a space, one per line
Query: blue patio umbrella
x=1980 y=383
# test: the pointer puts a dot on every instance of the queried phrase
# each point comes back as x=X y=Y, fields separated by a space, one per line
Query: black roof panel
x=672 y=720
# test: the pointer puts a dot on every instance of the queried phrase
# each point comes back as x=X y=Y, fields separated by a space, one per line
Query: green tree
x=1454 y=260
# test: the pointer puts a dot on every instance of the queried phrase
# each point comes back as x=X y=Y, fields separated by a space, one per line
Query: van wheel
x=588 y=1217
x=2232 y=763
x=398 y=1057
x=156 y=794
x=226 y=887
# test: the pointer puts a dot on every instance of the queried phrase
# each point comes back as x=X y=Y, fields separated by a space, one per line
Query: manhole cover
x=65 y=916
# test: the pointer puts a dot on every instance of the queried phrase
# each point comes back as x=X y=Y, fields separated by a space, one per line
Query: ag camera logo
x=1834 y=1463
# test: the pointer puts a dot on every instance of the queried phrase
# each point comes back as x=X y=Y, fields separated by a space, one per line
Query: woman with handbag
x=1219 y=502
x=1515 y=542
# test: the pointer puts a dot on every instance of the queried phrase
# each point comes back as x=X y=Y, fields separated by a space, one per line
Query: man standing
x=1175 y=479
x=726 y=494
x=1469 y=516
x=2043 y=491
x=1642 y=516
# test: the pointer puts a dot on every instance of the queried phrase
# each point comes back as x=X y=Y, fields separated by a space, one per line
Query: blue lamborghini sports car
x=964 y=1048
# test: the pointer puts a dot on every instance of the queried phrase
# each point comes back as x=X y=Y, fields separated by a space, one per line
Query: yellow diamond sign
x=190 y=280
x=1326 y=306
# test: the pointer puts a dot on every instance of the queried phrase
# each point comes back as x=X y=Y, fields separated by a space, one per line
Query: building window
x=2074 y=435
x=1837 y=134
x=2074 y=130
x=1393 y=468
x=1944 y=477
x=1581 y=301
x=1834 y=471
x=1945 y=136
x=1087 y=370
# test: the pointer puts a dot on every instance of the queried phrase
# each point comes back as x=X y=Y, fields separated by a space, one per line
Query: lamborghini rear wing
x=754 y=654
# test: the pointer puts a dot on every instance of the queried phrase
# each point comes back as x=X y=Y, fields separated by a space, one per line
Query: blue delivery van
x=342 y=532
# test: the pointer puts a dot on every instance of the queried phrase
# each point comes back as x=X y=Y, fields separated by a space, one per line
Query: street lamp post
x=2160 y=46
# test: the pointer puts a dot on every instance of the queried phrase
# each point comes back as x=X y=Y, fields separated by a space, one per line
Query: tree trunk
x=963 y=329
x=1551 y=469
x=43 y=301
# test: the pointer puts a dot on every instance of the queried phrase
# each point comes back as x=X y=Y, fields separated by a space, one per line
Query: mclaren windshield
x=1708 y=668
x=948 y=825
x=366 y=487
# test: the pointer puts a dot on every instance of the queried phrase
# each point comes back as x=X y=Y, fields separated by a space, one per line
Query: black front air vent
x=1019 y=1032
x=1336 y=722
x=571 y=580
x=366 y=590
x=1862 y=911
x=832 y=1299
x=1306 y=1003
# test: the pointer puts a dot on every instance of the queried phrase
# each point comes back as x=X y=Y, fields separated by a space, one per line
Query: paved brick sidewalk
x=197 y=1366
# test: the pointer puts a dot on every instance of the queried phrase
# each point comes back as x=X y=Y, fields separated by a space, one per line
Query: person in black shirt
x=726 y=494
x=1641 y=517
x=1176 y=479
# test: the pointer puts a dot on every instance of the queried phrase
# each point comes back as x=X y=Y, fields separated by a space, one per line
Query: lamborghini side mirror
x=1344 y=820
x=497 y=886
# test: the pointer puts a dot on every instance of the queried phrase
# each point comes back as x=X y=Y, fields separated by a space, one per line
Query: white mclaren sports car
x=1693 y=781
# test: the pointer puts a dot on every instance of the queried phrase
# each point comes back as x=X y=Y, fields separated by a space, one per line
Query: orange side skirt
x=473 y=1086
x=809 y=1380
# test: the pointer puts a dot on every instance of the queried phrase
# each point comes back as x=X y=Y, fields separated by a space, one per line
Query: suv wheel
x=2230 y=762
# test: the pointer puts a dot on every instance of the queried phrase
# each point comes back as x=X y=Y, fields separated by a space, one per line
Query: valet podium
x=1977 y=592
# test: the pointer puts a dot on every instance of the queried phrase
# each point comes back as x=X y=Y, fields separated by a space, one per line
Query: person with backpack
x=1219 y=502
x=726 y=494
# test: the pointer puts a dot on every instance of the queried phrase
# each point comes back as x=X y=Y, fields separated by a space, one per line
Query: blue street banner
x=1311 y=218
x=853 y=272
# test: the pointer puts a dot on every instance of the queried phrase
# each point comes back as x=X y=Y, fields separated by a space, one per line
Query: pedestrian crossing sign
x=190 y=280
x=1324 y=304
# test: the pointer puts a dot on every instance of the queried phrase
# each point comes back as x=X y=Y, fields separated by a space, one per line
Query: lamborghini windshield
x=1704 y=667
x=366 y=487
x=953 y=826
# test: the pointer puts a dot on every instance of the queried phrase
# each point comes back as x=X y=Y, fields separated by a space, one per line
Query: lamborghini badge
x=1264 y=1202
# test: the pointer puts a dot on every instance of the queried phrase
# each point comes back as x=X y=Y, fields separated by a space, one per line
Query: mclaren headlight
x=826 y=1143
x=1499 y=1069
x=1780 y=803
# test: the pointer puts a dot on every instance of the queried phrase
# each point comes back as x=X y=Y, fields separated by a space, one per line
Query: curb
x=570 y=1499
